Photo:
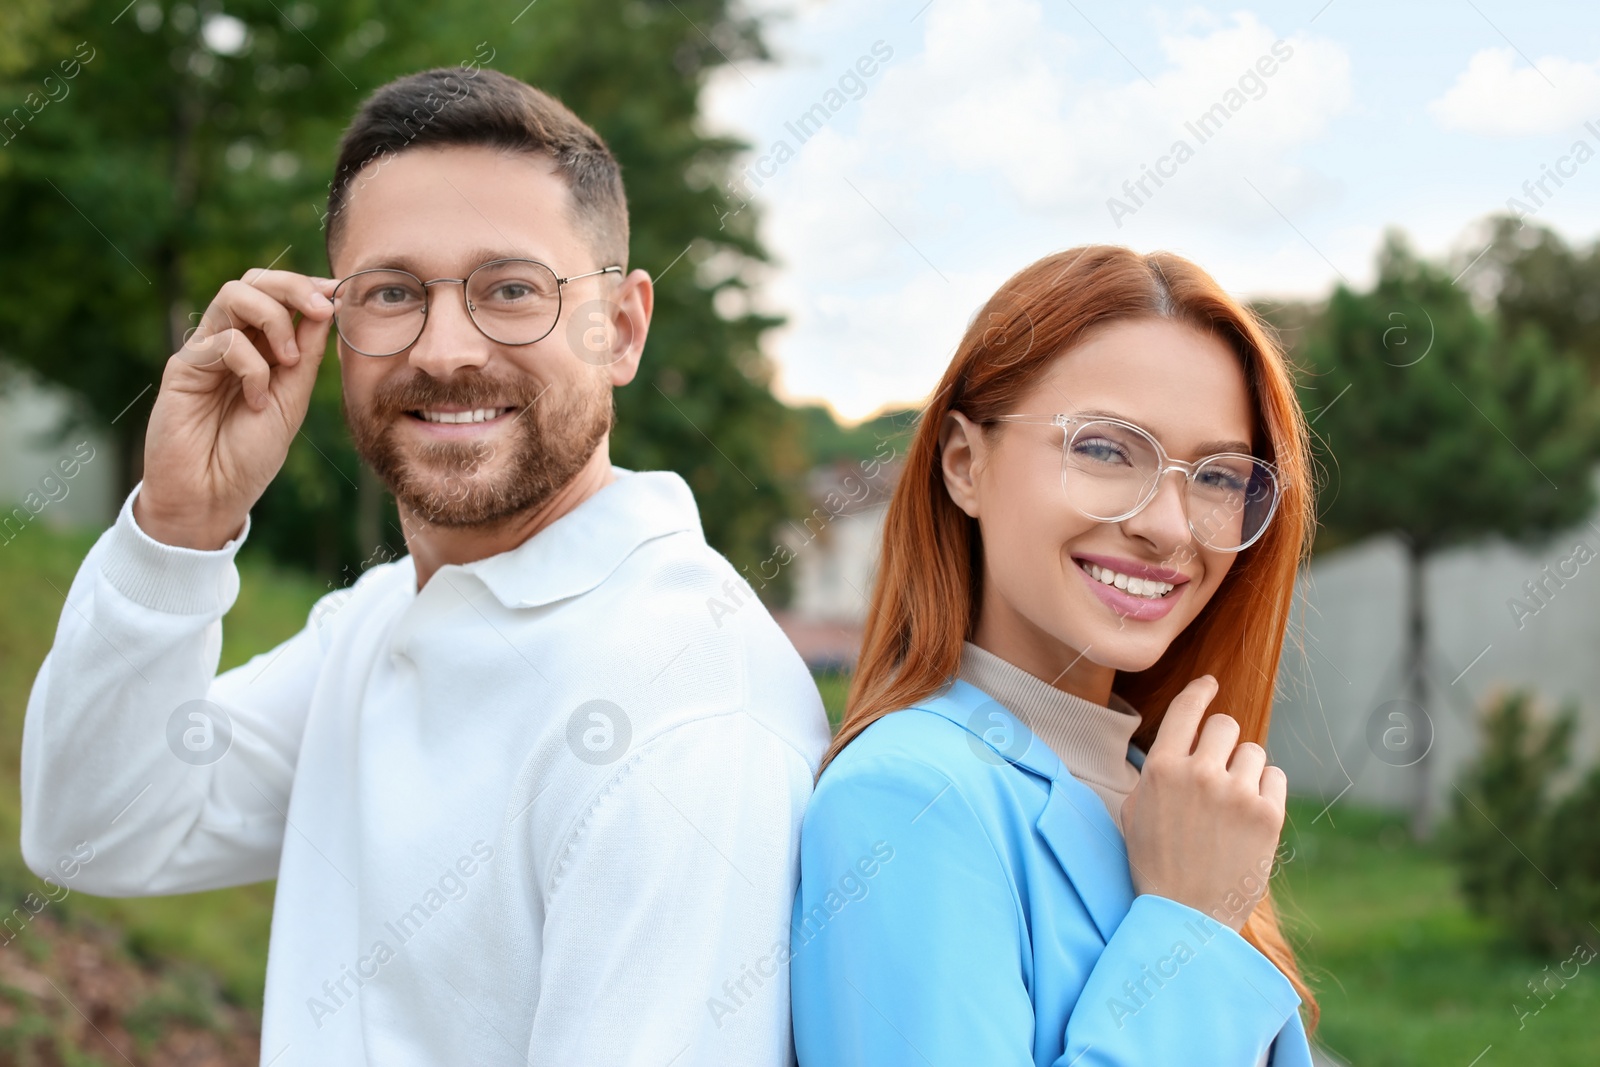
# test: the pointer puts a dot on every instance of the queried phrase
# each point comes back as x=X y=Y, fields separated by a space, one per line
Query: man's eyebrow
x=407 y=262
x=1204 y=448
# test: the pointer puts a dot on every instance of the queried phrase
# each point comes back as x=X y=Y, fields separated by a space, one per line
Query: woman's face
x=1045 y=606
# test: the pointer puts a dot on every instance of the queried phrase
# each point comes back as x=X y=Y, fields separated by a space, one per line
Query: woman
x=1110 y=488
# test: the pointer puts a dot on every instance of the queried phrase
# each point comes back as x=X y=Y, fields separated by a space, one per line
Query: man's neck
x=432 y=547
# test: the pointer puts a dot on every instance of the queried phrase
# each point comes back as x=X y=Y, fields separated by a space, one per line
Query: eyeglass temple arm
x=591 y=274
x=1042 y=420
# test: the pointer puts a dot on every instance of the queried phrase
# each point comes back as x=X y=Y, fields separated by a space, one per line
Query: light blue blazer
x=964 y=900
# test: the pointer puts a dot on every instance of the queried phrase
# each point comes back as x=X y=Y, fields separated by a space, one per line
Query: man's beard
x=553 y=434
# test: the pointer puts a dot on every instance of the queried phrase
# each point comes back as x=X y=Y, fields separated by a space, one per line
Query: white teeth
x=476 y=415
x=1148 y=588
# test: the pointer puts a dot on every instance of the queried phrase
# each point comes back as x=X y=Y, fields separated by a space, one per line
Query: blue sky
x=983 y=134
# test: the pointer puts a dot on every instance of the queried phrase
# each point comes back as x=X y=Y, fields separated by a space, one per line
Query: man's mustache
x=474 y=391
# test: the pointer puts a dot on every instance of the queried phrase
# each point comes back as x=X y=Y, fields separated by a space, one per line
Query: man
x=527 y=800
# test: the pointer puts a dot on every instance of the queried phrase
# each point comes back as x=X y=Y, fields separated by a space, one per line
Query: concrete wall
x=1488 y=633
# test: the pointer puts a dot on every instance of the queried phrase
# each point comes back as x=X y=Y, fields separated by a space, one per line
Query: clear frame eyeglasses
x=1110 y=470
x=381 y=312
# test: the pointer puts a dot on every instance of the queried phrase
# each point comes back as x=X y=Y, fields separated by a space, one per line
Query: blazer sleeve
x=1173 y=980
x=907 y=941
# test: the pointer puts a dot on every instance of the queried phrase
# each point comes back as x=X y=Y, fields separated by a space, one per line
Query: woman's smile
x=1140 y=591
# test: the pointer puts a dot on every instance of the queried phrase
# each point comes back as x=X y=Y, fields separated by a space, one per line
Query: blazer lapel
x=1074 y=823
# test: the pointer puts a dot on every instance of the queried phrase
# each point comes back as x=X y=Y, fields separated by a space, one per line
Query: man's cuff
x=167 y=578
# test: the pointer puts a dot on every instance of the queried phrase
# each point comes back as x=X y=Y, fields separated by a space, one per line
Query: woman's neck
x=1068 y=669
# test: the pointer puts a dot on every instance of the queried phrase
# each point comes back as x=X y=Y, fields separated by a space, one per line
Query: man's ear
x=962 y=451
x=630 y=309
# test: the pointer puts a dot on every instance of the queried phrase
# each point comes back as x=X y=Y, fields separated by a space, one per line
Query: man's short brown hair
x=451 y=106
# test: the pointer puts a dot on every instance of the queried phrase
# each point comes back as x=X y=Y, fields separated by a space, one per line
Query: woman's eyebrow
x=1204 y=448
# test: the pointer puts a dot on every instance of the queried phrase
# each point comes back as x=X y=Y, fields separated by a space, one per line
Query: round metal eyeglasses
x=382 y=311
x=1111 y=469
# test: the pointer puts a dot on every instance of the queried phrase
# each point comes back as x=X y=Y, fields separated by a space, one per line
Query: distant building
x=835 y=556
x=49 y=477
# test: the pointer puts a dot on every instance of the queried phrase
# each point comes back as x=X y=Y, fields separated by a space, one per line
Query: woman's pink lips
x=1125 y=604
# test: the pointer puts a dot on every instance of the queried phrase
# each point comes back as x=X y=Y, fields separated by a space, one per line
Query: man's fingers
x=1175 y=736
x=238 y=311
x=304 y=293
x=241 y=357
x=296 y=382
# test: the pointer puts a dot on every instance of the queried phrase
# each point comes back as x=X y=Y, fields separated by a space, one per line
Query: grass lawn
x=1404 y=974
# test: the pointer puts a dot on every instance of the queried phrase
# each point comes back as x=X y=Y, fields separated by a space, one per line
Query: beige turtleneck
x=1090 y=739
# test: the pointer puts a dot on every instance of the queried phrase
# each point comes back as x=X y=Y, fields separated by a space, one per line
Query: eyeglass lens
x=1109 y=470
x=382 y=312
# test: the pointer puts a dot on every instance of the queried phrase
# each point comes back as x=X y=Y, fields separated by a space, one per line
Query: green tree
x=1527 y=851
x=1437 y=428
x=198 y=141
x=1536 y=279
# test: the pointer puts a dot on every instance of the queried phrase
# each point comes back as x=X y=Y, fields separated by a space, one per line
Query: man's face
x=537 y=412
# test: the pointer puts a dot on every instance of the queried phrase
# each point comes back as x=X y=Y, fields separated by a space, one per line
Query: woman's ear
x=961 y=455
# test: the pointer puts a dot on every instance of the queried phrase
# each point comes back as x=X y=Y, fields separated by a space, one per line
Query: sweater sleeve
x=667 y=908
x=135 y=753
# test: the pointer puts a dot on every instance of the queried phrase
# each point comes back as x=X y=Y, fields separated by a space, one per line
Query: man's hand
x=1202 y=826
x=231 y=400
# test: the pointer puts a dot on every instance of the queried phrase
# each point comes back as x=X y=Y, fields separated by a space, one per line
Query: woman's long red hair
x=927 y=591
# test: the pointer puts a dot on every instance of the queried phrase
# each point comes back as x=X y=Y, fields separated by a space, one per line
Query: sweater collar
x=1095 y=742
x=579 y=550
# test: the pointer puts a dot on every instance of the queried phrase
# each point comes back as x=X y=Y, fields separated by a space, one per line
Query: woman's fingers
x=1175 y=736
x=1275 y=787
x=1246 y=765
x=1218 y=736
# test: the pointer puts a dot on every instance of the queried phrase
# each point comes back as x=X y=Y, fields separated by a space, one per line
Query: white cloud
x=987 y=147
x=1499 y=95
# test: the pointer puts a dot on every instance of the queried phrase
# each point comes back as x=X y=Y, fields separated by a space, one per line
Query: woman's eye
x=1100 y=451
x=1223 y=479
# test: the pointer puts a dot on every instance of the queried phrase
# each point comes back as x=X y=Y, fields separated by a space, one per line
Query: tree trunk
x=1416 y=673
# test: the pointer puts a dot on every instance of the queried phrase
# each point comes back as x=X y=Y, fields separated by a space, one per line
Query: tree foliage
x=1435 y=425
x=198 y=142
x=1528 y=854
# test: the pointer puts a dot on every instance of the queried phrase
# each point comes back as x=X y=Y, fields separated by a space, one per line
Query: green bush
x=1528 y=852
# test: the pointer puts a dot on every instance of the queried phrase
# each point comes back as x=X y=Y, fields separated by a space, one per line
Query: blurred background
x=826 y=193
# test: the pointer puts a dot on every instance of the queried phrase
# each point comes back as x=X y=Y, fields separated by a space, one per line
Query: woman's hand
x=231 y=401
x=1202 y=826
